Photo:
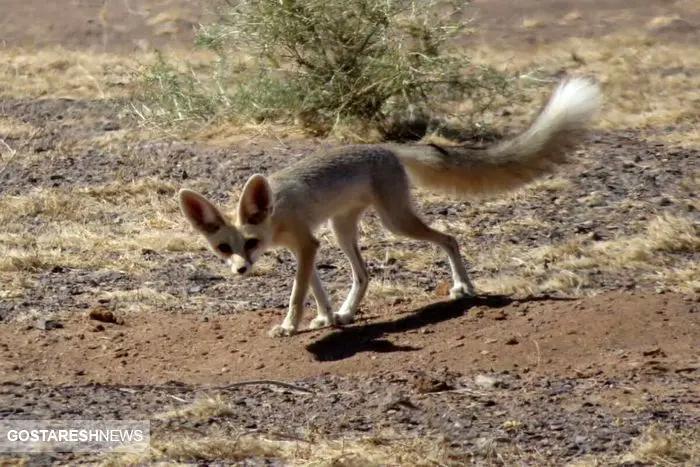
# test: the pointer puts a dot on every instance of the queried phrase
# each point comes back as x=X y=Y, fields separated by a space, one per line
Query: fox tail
x=547 y=143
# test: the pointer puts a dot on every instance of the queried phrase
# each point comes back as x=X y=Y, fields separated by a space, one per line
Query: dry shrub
x=325 y=65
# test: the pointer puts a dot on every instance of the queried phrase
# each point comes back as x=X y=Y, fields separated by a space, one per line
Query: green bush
x=325 y=63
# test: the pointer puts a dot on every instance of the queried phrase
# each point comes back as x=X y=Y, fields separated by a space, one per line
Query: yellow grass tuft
x=14 y=461
x=376 y=451
x=532 y=23
x=55 y=72
x=201 y=409
x=561 y=267
x=11 y=128
x=218 y=446
x=662 y=21
x=659 y=447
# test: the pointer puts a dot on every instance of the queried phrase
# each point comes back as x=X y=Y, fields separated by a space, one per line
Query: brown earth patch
x=611 y=334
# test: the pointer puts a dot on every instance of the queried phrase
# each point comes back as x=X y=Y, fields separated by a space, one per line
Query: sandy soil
x=611 y=334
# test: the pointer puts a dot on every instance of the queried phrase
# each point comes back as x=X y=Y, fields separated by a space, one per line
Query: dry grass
x=56 y=72
x=657 y=446
x=97 y=227
x=14 y=461
x=200 y=410
x=563 y=267
x=61 y=73
x=11 y=128
x=222 y=443
x=374 y=451
x=648 y=82
x=313 y=450
x=663 y=448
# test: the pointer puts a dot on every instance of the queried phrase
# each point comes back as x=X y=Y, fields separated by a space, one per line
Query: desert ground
x=582 y=347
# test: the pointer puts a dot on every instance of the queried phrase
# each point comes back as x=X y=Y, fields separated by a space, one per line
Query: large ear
x=201 y=213
x=256 y=201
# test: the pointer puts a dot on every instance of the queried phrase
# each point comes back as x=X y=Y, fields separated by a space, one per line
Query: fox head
x=242 y=242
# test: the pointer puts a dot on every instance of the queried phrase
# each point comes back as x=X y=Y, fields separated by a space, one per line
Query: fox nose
x=242 y=269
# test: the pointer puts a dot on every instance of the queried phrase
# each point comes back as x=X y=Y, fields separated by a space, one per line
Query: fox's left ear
x=256 y=201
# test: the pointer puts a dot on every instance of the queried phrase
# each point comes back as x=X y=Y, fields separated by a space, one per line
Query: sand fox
x=284 y=209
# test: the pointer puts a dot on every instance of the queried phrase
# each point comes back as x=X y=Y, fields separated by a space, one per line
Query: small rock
x=48 y=324
x=654 y=352
x=397 y=402
x=148 y=252
x=486 y=382
x=104 y=315
x=425 y=384
x=500 y=315
x=512 y=341
x=110 y=126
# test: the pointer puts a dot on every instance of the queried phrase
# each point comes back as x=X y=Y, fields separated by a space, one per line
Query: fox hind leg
x=345 y=230
x=398 y=215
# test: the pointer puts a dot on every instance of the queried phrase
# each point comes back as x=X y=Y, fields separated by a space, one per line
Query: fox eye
x=224 y=248
x=251 y=243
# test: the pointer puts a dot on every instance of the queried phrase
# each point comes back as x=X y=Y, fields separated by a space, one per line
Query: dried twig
x=254 y=382
x=12 y=152
x=179 y=399
x=539 y=354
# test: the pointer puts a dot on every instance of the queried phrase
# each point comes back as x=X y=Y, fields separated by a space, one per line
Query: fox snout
x=239 y=265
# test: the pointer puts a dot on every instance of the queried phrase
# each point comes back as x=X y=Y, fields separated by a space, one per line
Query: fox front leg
x=305 y=268
x=324 y=317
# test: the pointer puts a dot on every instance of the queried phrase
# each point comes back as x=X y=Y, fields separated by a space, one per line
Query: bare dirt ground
x=581 y=350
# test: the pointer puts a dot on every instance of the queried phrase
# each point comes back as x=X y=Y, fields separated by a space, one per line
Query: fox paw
x=282 y=330
x=321 y=322
x=462 y=290
x=341 y=317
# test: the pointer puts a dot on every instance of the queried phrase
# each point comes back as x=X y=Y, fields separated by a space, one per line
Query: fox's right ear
x=201 y=213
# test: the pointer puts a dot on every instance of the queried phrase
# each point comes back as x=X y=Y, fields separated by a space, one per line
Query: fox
x=284 y=209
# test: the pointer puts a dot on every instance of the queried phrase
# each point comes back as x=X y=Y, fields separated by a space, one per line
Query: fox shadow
x=369 y=337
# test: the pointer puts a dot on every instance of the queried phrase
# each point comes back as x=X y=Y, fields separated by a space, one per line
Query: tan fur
x=538 y=151
x=339 y=185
